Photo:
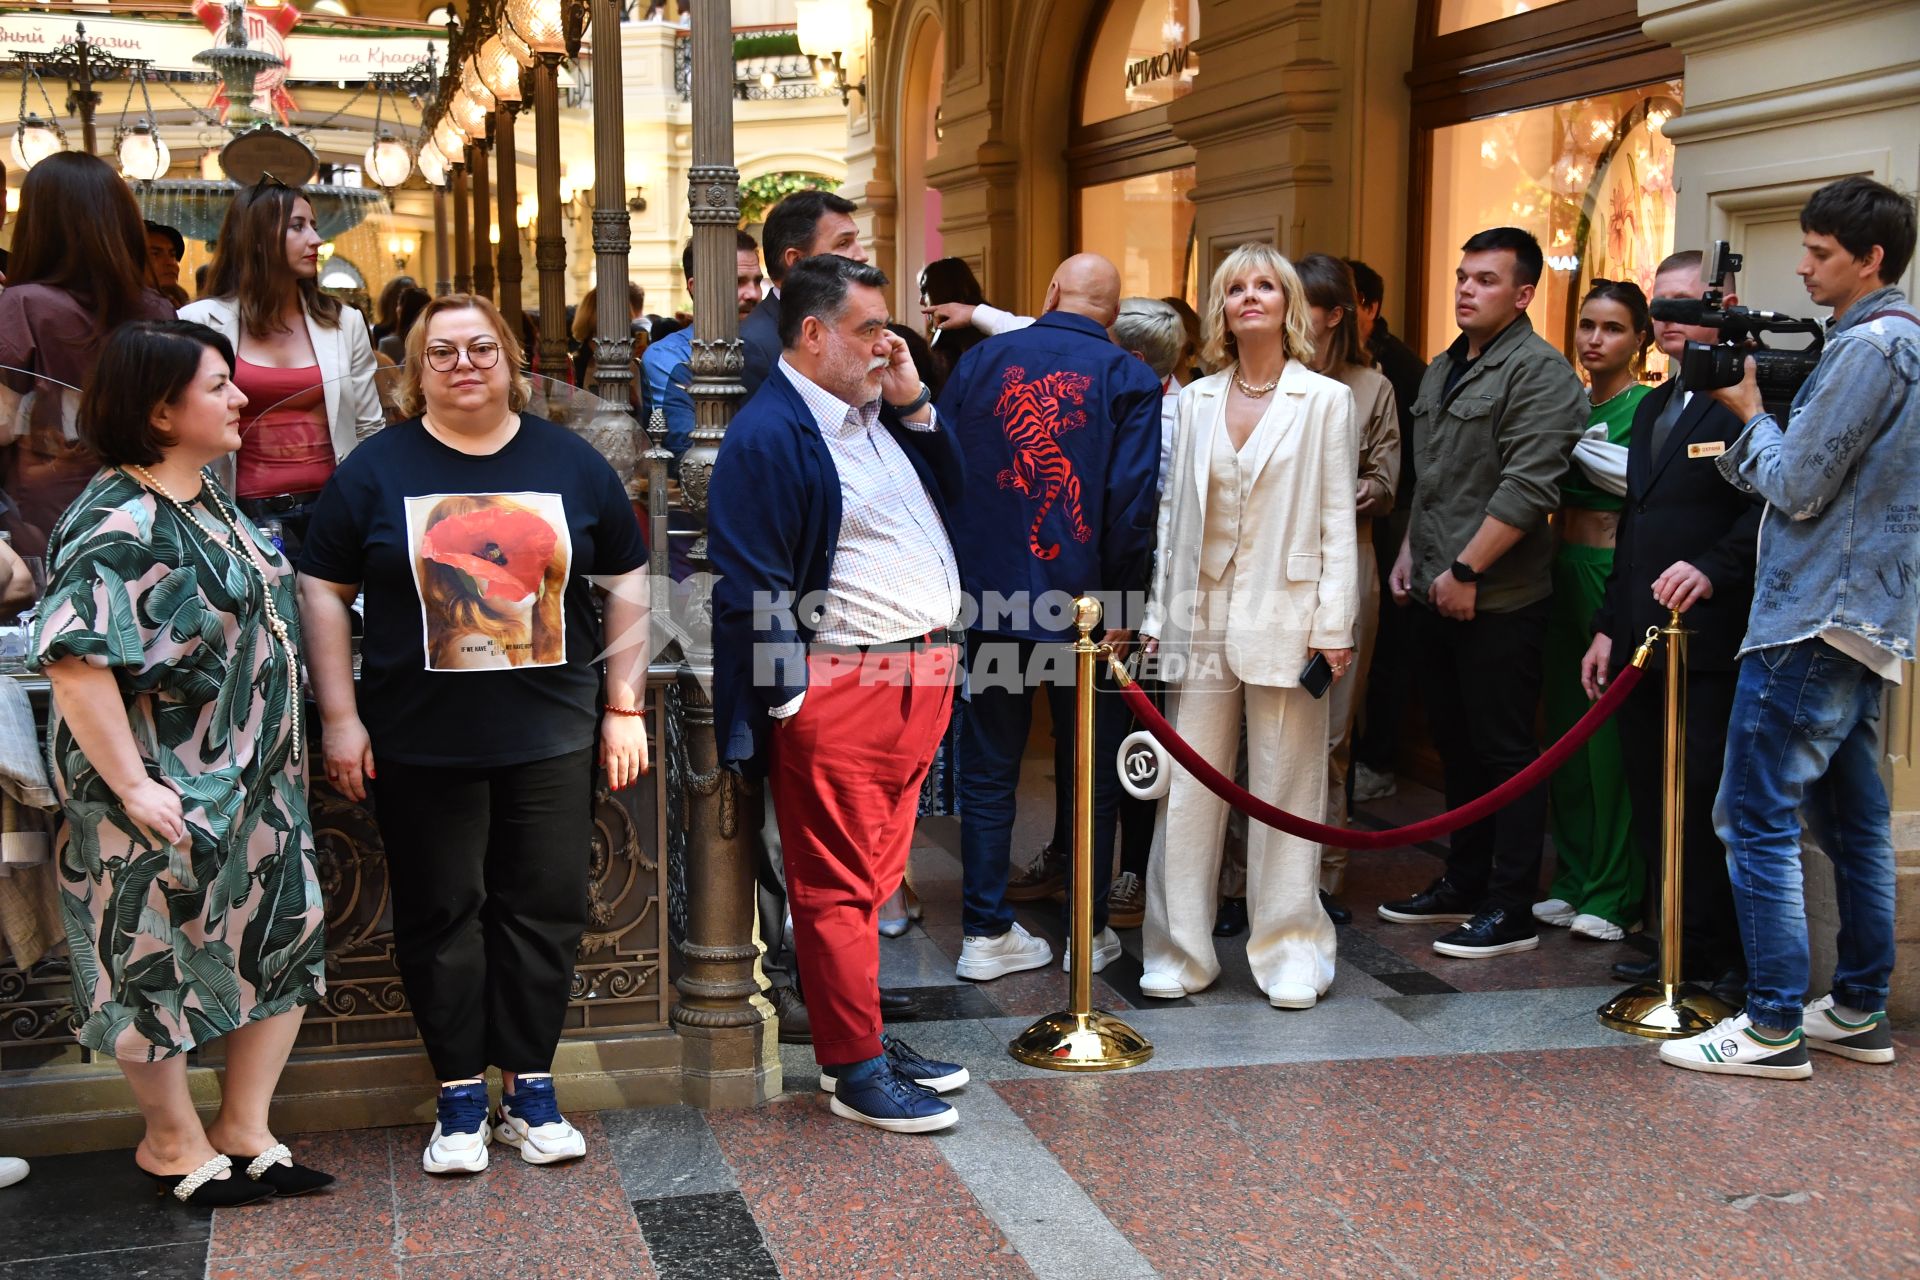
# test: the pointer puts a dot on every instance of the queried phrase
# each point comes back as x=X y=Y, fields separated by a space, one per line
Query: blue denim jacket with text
x=1840 y=539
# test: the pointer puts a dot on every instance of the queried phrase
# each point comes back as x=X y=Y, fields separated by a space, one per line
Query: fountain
x=196 y=206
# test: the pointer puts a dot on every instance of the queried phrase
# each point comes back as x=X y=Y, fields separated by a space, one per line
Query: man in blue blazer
x=1060 y=430
x=804 y=225
x=835 y=654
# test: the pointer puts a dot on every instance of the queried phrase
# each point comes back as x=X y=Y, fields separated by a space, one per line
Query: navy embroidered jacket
x=1060 y=433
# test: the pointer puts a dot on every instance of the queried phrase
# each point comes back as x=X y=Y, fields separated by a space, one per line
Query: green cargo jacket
x=1498 y=447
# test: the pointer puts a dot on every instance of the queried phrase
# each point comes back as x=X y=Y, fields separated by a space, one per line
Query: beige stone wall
x=1783 y=97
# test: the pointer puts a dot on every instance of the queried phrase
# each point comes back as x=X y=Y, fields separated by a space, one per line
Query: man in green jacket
x=1495 y=423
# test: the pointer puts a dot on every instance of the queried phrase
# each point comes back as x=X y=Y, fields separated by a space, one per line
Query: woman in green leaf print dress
x=188 y=888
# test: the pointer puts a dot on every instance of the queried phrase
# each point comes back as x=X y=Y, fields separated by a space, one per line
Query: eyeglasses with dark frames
x=444 y=358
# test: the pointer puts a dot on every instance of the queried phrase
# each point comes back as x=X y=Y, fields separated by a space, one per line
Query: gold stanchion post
x=1082 y=1038
x=1668 y=1009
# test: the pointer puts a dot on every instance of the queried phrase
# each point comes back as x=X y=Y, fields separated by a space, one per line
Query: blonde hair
x=1254 y=259
x=411 y=399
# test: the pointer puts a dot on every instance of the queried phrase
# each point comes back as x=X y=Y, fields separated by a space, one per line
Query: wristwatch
x=914 y=405
x=1464 y=572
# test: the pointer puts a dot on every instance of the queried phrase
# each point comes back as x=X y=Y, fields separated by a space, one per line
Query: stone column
x=727 y=1047
x=482 y=222
x=549 y=242
x=462 y=229
x=507 y=187
x=1840 y=97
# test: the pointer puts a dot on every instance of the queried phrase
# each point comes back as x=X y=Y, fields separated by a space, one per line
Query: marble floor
x=1431 y=1117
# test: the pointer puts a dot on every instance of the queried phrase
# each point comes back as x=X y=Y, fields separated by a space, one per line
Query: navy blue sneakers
x=891 y=1102
x=460 y=1133
x=928 y=1073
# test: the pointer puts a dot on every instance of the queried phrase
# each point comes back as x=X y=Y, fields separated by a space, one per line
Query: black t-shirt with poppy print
x=482 y=643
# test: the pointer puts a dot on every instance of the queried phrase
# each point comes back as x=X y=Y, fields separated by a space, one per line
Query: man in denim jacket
x=1835 y=607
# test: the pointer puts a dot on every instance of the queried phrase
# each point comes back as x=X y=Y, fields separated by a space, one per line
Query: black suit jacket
x=760 y=337
x=1679 y=508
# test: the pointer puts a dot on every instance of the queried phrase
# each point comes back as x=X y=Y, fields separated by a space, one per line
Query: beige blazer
x=346 y=368
x=1295 y=585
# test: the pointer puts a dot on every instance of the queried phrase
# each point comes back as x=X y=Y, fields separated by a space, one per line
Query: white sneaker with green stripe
x=1867 y=1039
x=1734 y=1048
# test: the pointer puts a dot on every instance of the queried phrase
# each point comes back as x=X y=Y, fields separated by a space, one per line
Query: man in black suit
x=1686 y=542
x=800 y=226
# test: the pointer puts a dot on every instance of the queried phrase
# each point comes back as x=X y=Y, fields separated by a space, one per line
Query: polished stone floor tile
x=1500 y=1021
x=704 y=1237
x=666 y=1151
x=510 y=1205
x=556 y=1258
x=356 y=1212
x=155 y=1262
x=369 y=1262
x=90 y=1203
x=834 y=1198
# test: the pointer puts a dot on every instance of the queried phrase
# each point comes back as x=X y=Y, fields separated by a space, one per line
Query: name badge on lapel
x=1708 y=449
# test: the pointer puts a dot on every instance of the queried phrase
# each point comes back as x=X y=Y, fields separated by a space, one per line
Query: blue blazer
x=773 y=520
x=760 y=339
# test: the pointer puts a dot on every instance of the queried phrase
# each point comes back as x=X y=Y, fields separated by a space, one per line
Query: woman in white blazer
x=304 y=361
x=1256 y=575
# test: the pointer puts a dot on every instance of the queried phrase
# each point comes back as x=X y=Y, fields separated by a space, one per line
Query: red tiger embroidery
x=1032 y=414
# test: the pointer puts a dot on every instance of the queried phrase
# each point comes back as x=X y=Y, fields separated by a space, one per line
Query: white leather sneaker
x=1557 y=912
x=460 y=1132
x=1598 y=928
x=1106 y=949
x=1161 y=986
x=984 y=959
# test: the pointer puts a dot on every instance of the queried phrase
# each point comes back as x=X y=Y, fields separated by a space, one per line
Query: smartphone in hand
x=1317 y=676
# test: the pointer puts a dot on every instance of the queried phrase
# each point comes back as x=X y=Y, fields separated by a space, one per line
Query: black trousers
x=1709 y=931
x=1481 y=684
x=488 y=871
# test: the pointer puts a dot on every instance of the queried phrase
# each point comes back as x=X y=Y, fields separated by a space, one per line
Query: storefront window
x=1592 y=179
x=1144 y=226
x=1143 y=57
x=1458 y=15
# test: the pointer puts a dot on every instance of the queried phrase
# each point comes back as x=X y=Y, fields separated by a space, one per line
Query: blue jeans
x=1804 y=744
x=994 y=719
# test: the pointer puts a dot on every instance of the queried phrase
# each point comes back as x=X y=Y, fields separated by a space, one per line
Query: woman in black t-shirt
x=474 y=530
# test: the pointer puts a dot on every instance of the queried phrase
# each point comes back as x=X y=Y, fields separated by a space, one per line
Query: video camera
x=1723 y=363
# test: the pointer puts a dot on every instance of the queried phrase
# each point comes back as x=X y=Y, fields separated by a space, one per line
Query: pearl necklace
x=1255 y=393
x=275 y=624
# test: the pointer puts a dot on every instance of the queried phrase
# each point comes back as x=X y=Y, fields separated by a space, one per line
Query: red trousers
x=845 y=777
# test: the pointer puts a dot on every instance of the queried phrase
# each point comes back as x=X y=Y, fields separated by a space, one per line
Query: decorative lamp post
x=387 y=161
x=34 y=140
x=499 y=66
x=541 y=26
x=432 y=165
x=143 y=154
x=612 y=237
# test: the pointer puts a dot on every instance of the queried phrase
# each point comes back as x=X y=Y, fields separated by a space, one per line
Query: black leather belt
x=933 y=639
x=281 y=503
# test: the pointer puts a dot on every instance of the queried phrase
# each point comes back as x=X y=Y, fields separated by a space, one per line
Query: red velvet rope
x=1254 y=807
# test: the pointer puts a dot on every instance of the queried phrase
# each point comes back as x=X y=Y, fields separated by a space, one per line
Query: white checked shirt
x=894 y=574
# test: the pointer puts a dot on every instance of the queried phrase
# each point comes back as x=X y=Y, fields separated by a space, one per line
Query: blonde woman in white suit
x=1256 y=576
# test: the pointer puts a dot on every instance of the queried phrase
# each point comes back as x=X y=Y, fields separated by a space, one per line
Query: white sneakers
x=984 y=959
x=1734 y=1048
x=12 y=1170
x=1106 y=949
x=1292 y=995
x=1598 y=928
x=1161 y=986
x=1867 y=1039
x=1557 y=912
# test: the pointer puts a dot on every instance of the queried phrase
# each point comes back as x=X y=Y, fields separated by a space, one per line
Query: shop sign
x=1160 y=66
x=170 y=46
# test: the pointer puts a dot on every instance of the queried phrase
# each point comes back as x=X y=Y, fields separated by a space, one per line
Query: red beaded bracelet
x=626 y=711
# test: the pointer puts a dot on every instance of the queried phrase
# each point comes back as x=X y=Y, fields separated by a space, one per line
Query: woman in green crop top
x=1599 y=879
